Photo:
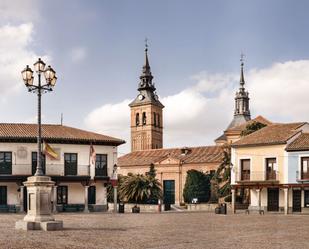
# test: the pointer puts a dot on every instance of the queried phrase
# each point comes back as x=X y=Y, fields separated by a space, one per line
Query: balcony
x=257 y=176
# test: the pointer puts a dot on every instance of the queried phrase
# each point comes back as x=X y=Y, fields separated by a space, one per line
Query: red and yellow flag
x=49 y=151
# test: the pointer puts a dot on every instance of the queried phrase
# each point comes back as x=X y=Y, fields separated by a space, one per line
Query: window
x=91 y=195
x=101 y=165
x=154 y=119
x=159 y=122
x=245 y=169
x=306 y=195
x=3 y=195
x=305 y=168
x=144 y=118
x=34 y=162
x=5 y=162
x=137 y=119
x=62 y=194
x=70 y=164
x=271 y=168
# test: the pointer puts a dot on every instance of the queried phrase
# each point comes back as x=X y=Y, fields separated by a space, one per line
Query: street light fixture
x=39 y=89
x=39 y=186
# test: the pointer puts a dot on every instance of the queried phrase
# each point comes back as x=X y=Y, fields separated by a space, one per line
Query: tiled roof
x=53 y=132
x=271 y=134
x=243 y=126
x=300 y=143
x=204 y=154
x=221 y=138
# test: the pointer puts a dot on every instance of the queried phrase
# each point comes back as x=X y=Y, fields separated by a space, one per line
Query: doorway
x=169 y=191
x=296 y=200
x=273 y=199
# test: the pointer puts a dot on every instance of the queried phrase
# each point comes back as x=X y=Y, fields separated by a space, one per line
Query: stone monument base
x=39 y=215
x=44 y=225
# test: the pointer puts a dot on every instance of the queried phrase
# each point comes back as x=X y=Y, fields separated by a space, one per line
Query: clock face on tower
x=140 y=97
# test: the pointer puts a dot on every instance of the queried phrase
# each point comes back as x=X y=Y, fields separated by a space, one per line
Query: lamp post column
x=39 y=171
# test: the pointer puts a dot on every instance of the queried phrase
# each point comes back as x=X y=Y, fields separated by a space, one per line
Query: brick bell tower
x=146 y=113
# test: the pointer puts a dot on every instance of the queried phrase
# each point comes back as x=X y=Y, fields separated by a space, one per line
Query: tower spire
x=242 y=110
x=242 y=78
x=146 y=76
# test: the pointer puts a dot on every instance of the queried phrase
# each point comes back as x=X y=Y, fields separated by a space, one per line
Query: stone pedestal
x=39 y=215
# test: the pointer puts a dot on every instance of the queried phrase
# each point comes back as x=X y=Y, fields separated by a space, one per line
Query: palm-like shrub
x=139 y=189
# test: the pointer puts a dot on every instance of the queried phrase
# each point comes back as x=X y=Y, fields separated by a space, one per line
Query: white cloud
x=78 y=54
x=19 y=10
x=199 y=114
x=15 y=54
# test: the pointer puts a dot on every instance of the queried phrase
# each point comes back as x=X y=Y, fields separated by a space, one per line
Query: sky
x=97 y=50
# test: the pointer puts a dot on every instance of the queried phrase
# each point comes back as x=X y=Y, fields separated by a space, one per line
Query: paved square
x=166 y=230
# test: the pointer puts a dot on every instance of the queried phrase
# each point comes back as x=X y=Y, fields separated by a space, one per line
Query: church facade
x=147 y=149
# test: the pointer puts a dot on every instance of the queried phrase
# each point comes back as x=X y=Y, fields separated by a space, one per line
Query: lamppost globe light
x=27 y=75
x=39 y=66
x=53 y=81
x=49 y=74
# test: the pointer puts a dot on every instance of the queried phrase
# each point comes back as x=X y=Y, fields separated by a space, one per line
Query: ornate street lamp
x=39 y=89
x=39 y=187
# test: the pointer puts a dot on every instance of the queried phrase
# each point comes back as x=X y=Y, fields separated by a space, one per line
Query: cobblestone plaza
x=165 y=230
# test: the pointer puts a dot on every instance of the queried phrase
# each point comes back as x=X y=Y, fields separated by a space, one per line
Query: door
x=3 y=195
x=25 y=200
x=91 y=195
x=296 y=200
x=273 y=199
x=169 y=191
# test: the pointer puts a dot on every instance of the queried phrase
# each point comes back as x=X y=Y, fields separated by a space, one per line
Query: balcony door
x=6 y=163
x=305 y=168
x=271 y=168
x=101 y=165
x=70 y=164
x=245 y=169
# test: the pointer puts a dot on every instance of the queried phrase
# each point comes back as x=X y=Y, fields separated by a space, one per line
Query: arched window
x=144 y=118
x=137 y=119
x=159 y=121
x=154 y=119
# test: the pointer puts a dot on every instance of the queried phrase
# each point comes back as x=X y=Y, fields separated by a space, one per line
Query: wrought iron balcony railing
x=302 y=176
x=257 y=176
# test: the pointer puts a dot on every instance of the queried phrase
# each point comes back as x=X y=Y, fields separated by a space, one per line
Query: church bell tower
x=146 y=113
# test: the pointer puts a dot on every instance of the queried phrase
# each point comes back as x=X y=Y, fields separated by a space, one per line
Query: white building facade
x=79 y=184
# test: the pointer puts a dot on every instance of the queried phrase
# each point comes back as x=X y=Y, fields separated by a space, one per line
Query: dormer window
x=144 y=118
x=137 y=119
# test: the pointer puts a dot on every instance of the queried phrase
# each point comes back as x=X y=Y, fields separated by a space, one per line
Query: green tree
x=152 y=173
x=252 y=127
x=223 y=173
x=197 y=186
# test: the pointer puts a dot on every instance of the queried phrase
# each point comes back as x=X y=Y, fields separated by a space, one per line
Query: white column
x=286 y=201
x=233 y=201
x=55 y=199
x=86 y=210
x=259 y=198
x=21 y=199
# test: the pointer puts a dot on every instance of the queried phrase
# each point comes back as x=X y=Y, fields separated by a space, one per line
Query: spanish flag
x=49 y=151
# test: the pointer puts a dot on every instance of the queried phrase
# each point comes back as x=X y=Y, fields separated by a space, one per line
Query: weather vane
x=242 y=58
x=146 y=43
